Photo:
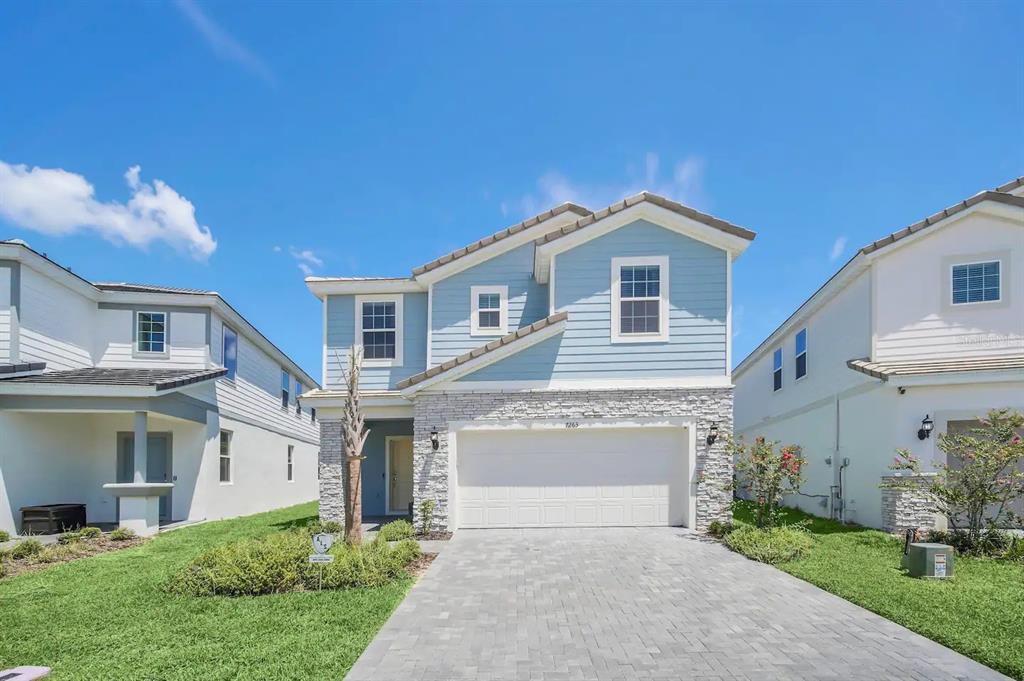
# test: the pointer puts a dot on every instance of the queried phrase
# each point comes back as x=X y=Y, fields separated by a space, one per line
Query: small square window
x=976 y=283
x=489 y=310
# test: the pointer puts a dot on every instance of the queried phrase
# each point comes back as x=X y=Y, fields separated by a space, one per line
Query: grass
x=978 y=613
x=107 y=617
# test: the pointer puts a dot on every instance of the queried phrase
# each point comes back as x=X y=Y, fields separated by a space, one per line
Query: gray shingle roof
x=660 y=201
x=21 y=367
x=513 y=337
x=498 y=236
x=884 y=370
x=149 y=288
x=160 y=379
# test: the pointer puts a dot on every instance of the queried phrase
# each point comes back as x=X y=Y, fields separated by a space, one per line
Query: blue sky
x=368 y=138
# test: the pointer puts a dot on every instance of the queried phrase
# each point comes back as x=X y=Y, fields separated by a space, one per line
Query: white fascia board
x=589 y=384
x=487 y=358
x=959 y=378
x=325 y=399
x=496 y=248
x=321 y=287
x=49 y=269
x=662 y=217
x=73 y=390
x=199 y=301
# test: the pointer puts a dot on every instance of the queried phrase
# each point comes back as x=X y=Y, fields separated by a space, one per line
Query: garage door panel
x=551 y=478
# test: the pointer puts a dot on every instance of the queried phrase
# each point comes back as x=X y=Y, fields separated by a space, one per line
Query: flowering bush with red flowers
x=767 y=475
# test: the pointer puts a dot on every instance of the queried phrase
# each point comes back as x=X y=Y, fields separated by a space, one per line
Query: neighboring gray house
x=572 y=369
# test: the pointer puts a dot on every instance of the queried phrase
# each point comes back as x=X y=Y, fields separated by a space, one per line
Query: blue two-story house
x=570 y=370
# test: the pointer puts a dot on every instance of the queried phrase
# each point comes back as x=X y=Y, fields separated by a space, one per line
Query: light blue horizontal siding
x=341 y=326
x=527 y=301
x=697 y=311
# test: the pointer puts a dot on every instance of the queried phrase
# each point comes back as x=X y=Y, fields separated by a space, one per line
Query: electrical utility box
x=930 y=561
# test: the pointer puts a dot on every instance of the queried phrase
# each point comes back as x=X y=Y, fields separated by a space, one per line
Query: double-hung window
x=640 y=299
x=976 y=282
x=225 y=456
x=298 y=402
x=230 y=352
x=777 y=370
x=800 y=360
x=291 y=463
x=286 y=385
x=379 y=329
x=151 y=332
x=489 y=309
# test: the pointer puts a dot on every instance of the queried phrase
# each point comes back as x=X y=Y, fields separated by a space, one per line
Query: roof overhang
x=388 y=404
x=321 y=287
x=643 y=210
x=955 y=371
x=78 y=385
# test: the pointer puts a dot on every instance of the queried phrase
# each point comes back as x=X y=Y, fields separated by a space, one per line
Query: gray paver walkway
x=625 y=604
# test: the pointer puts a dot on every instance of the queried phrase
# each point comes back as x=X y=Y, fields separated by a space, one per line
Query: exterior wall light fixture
x=712 y=434
x=434 y=442
x=925 y=431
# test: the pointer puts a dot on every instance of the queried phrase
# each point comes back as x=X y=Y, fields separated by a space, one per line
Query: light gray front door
x=158 y=464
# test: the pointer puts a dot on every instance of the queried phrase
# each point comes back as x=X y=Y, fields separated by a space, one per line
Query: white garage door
x=580 y=477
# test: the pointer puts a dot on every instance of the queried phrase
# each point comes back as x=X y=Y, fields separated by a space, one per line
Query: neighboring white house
x=923 y=326
x=146 y=404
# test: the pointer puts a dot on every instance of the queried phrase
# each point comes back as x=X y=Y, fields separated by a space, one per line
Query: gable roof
x=485 y=354
x=660 y=201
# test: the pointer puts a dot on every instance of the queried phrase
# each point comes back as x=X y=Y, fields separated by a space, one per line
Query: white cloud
x=838 y=246
x=685 y=184
x=56 y=202
x=306 y=259
x=222 y=43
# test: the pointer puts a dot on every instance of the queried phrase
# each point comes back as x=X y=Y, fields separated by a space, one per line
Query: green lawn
x=106 y=618
x=979 y=613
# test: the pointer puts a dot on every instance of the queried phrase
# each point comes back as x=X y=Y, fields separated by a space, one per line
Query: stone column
x=907 y=504
x=332 y=471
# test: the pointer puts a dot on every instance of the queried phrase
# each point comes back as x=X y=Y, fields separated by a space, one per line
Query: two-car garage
x=572 y=474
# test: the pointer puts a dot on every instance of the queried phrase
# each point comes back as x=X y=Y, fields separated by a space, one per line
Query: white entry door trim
x=687 y=424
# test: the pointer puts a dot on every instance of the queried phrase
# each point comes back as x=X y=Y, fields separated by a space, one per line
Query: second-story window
x=777 y=370
x=151 y=332
x=379 y=329
x=230 y=352
x=640 y=299
x=800 y=360
x=286 y=384
x=489 y=310
x=298 y=392
x=976 y=282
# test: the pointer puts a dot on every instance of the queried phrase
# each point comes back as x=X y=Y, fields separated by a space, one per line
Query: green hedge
x=772 y=545
x=395 y=530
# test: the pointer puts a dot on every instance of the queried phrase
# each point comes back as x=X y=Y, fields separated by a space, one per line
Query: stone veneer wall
x=714 y=466
x=906 y=502
x=332 y=490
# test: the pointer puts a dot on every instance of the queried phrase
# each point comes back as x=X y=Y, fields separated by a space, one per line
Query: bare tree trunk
x=353 y=435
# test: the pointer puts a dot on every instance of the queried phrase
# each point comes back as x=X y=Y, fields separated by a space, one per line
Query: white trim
x=997 y=302
x=728 y=315
x=685 y=382
x=641 y=211
x=387 y=472
x=137 y=335
x=474 y=305
x=958 y=378
x=430 y=326
x=321 y=287
x=663 y=295
x=399 y=327
x=323 y=338
x=551 y=287
x=487 y=358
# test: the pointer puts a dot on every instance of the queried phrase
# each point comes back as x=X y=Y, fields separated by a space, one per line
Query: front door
x=399 y=474
x=158 y=465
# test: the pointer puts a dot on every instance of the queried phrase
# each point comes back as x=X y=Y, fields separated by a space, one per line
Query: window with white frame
x=640 y=299
x=976 y=282
x=286 y=385
x=291 y=467
x=225 y=456
x=230 y=352
x=151 y=332
x=298 y=392
x=489 y=310
x=379 y=329
x=800 y=359
x=777 y=370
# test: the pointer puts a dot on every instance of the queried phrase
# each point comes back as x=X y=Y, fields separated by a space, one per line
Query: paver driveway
x=658 y=603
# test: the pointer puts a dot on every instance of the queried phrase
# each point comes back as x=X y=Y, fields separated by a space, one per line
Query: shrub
x=767 y=476
x=26 y=548
x=324 y=526
x=991 y=543
x=1016 y=551
x=426 y=516
x=279 y=563
x=68 y=538
x=769 y=545
x=719 y=529
x=4 y=536
x=122 y=534
x=58 y=552
x=90 y=533
x=395 y=530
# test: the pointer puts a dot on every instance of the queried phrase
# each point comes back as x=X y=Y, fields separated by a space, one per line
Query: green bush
x=325 y=527
x=990 y=543
x=68 y=538
x=26 y=548
x=90 y=533
x=4 y=536
x=58 y=552
x=1016 y=551
x=769 y=545
x=395 y=530
x=427 y=516
x=279 y=563
x=122 y=534
x=719 y=529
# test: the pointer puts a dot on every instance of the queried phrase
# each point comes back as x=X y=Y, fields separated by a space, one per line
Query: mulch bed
x=81 y=549
x=434 y=536
x=420 y=565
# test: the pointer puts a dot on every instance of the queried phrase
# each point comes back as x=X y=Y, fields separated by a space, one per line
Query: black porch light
x=434 y=442
x=712 y=434
x=925 y=431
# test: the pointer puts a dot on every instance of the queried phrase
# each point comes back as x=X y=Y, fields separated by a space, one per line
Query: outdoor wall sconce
x=926 y=428
x=434 y=442
x=712 y=434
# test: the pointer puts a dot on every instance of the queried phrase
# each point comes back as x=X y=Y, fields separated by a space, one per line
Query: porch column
x=141 y=439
